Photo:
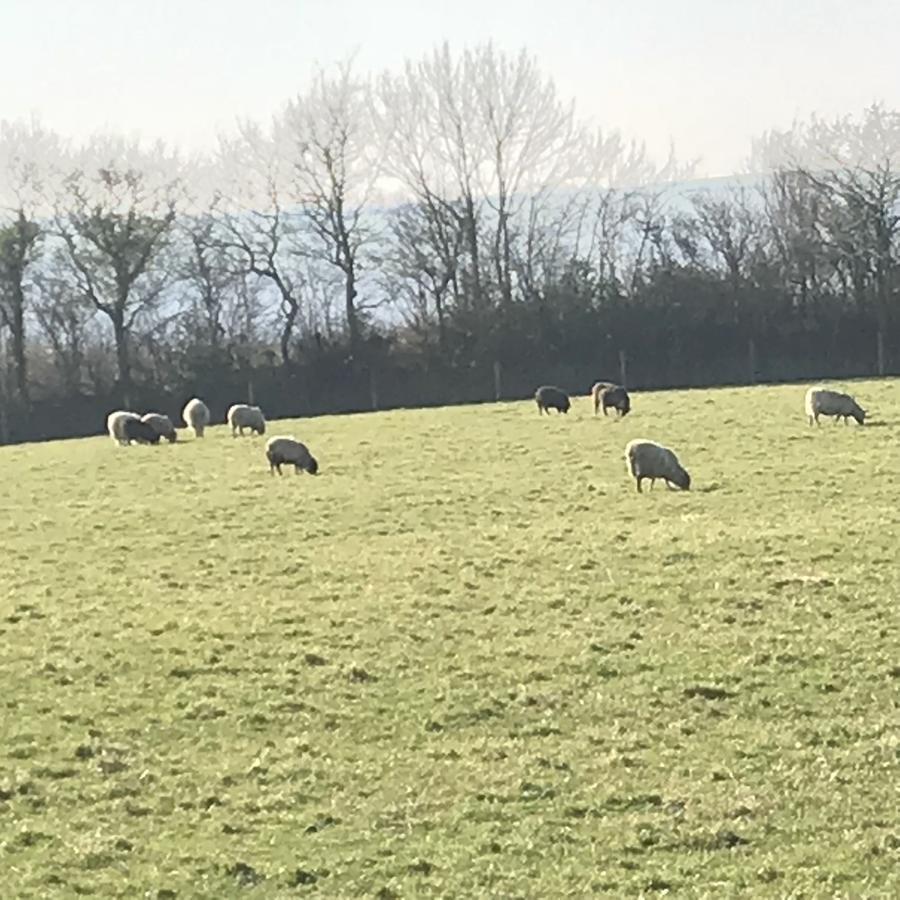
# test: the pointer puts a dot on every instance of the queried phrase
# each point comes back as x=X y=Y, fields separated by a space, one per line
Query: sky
x=707 y=75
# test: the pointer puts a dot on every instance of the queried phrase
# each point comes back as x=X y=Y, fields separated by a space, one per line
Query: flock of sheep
x=126 y=427
x=646 y=460
x=649 y=460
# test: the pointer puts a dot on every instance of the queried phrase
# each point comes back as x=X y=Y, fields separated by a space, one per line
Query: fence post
x=497 y=380
x=623 y=369
x=751 y=359
x=880 y=349
x=373 y=390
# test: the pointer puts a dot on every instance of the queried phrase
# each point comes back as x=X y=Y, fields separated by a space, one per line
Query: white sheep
x=281 y=450
x=196 y=416
x=115 y=425
x=241 y=416
x=646 y=459
x=823 y=402
x=162 y=425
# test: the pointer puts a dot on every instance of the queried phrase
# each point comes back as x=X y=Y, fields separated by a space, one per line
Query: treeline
x=452 y=232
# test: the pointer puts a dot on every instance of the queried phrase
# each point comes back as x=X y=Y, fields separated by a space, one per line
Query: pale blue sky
x=709 y=74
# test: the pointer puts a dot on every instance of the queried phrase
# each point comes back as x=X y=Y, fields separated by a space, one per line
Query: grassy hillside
x=467 y=660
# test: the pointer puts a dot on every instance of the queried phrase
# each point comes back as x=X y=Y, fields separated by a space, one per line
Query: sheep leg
x=639 y=479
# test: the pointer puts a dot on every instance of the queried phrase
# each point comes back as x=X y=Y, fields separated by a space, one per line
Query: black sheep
x=548 y=397
x=136 y=430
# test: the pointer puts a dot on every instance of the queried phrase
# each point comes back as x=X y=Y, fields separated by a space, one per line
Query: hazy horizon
x=708 y=82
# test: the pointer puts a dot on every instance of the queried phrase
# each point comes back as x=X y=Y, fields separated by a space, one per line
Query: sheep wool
x=196 y=416
x=647 y=459
x=241 y=416
x=115 y=425
x=162 y=425
x=824 y=402
x=289 y=451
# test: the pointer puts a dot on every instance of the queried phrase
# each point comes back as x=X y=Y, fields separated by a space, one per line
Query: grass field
x=467 y=660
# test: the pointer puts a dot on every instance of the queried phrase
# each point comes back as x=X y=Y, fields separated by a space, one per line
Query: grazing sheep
x=241 y=416
x=610 y=396
x=645 y=459
x=548 y=398
x=196 y=416
x=281 y=450
x=162 y=424
x=822 y=402
x=137 y=430
x=115 y=423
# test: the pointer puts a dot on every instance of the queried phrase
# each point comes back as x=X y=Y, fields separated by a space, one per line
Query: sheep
x=241 y=416
x=646 y=459
x=162 y=425
x=823 y=402
x=281 y=450
x=607 y=395
x=196 y=416
x=548 y=398
x=140 y=431
x=115 y=423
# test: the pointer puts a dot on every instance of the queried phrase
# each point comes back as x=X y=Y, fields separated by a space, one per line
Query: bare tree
x=421 y=265
x=27 y=153
x=848 y=170
x=18 y=248
x=115 y=216
x=256 y=229
x=63 y=317
x=213 y=277
x=336 y=162
x=435 y=148
x=722 y=233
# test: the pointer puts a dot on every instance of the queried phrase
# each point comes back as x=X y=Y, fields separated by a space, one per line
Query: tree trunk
x=123 y=361
x=472 y=237
x=286 y=334
x=350 y=306
x=442 y=326
x=18 y=346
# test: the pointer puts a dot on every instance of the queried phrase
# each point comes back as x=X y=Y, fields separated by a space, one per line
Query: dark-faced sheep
x=162 y=425
x=549 y=397
x=288 y=451
x=140 y=432
x=610 y=396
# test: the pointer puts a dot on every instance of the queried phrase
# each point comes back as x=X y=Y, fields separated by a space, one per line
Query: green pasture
x=466 y=660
